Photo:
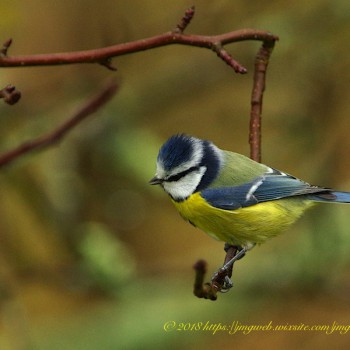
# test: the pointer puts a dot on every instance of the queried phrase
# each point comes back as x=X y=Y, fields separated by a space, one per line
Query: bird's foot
x=221 y=279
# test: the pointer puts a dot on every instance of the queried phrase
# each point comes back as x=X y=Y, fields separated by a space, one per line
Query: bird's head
x=185 y=165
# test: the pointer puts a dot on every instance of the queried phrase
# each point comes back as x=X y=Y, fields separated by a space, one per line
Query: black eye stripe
x=178 y=176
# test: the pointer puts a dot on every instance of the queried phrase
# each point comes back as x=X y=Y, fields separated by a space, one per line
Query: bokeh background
x=91 y=256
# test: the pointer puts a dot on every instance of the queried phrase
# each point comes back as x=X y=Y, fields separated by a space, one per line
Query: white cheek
x=184 y=187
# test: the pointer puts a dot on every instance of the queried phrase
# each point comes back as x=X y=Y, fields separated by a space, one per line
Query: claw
x=224 y=273
x=228 y=284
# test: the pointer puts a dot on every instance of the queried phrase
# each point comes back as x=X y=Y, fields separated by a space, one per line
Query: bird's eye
x=178 y=176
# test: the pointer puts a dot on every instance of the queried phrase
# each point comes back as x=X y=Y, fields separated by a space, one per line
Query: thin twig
x=5 y=47
x=185 y=20
x=226 y=57
x=108 y=64
x=57 y=134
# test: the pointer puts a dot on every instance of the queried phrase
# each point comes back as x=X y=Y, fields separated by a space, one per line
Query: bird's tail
x=331 y=197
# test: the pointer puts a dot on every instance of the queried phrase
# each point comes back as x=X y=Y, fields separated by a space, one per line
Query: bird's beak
x=155 y=181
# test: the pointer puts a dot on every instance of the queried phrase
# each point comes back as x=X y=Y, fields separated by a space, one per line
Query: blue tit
x=231 y=197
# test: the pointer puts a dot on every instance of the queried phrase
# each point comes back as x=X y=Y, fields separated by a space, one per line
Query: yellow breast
x=254 y=224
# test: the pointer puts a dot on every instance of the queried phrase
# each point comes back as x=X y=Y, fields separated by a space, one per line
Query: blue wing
x=268 y=187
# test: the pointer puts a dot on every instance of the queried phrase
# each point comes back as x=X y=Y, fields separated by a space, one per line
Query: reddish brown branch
x=57 y=134
x=261 y=63
x=103 y=54
x=226 y=57
x=201 y=289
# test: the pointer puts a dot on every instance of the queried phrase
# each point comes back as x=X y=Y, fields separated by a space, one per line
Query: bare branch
x=261 y=63
x=201 y=289
x=104 y=55
x=57 y=134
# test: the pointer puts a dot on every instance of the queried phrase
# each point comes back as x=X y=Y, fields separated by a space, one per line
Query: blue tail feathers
x=331 y=197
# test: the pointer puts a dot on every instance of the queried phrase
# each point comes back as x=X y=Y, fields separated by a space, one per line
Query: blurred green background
x=91 y=257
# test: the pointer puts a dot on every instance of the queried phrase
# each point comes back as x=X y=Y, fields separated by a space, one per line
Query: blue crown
x=177 y=150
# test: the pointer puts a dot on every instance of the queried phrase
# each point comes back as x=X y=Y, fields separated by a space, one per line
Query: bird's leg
x=221 y=280
x=231 y=252
x=228 y=265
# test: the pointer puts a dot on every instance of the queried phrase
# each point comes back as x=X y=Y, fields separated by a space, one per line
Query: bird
x=231 y=197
